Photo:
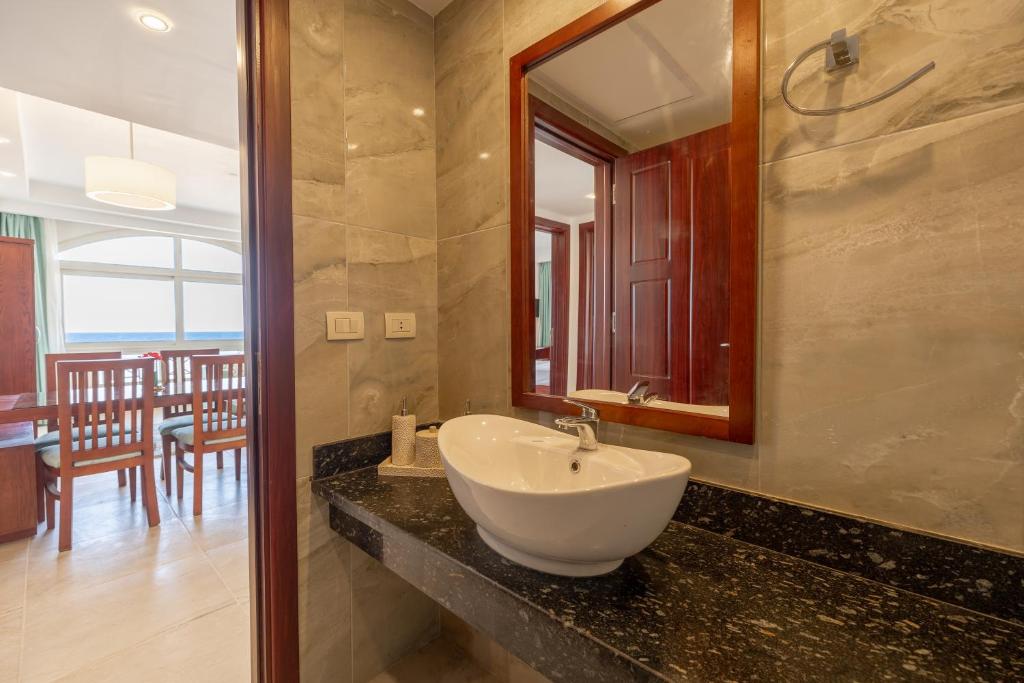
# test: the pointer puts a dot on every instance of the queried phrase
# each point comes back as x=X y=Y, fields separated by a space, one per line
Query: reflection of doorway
x=585 y=308
x=552 y=253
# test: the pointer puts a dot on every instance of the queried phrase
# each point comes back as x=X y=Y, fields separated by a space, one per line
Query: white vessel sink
x=541 y=502
x=609 y=396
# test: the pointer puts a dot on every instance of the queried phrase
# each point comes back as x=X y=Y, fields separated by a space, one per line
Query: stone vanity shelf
x=701 y=604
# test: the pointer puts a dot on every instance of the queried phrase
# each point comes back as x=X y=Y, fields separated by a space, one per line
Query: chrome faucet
x=585 y=425
x=638 y=394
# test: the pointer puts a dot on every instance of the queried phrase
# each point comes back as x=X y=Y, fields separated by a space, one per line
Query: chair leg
x=66 y=506
x=180 y=457
x=51 y=510
x=220 y=460
x=132 y=484
x=121 y=481
x=197 y=483
x=238 y=464
x=165 y=470
x=40 y=492
x=149 y=491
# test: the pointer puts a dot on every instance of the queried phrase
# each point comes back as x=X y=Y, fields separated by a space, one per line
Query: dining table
x=18 y=412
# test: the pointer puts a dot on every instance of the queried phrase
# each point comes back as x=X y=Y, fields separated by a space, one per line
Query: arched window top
x=196 y=255
x=145 y=251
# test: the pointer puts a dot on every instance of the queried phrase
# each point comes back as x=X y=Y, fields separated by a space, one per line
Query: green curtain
x=31 y=227
x=544 y=307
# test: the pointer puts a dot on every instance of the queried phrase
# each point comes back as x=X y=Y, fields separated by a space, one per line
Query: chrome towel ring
x=842 y=52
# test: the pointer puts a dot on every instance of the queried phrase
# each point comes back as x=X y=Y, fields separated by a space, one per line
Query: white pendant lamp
x=130 y=183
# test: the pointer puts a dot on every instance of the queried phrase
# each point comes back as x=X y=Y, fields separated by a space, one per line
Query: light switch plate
x=399 y=325
x=345 y=325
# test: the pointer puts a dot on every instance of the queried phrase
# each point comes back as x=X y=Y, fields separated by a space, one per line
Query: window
x=204 y=256
x=212 y=311
x=146 y=252
x=107 y=309
x=138 y=290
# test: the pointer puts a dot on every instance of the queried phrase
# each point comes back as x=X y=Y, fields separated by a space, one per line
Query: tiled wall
x=364 y=240
x=891 y=364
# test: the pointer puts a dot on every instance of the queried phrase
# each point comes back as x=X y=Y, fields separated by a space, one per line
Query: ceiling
x=432 y=7
x=660 y=75
x=561 y=184
x=92 y=69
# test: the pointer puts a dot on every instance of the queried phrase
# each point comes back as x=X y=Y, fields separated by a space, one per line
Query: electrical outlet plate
x=345 y=325
x=399 y=325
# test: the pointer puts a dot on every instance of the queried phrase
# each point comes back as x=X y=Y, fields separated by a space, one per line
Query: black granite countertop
x=694 y=606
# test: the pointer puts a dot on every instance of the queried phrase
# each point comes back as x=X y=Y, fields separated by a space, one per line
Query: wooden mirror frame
x=744 y=129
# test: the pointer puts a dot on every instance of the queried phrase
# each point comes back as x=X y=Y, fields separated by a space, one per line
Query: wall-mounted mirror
x=634 y=181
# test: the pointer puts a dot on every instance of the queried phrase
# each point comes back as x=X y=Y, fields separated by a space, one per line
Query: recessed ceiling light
x=8 y=174
x=4 y=141
x=485 y=155
x=590 y=196
x=418 y=111
x=155 y=23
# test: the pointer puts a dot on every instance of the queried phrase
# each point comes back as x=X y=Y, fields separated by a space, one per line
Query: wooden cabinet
x=17 y=375
x=17 y=316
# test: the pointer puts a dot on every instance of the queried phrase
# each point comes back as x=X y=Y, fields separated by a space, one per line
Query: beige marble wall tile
x=321 y=366
x=318 y=134
x=388 y=272
x=389 y=74
x=978 y=49
x=390 y=618
x=527 y=21
x=472 y=167
x=893 y=337
x=473 y=322
x=325 y=592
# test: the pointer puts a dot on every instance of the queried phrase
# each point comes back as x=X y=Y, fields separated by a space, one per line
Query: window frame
x=178 y=275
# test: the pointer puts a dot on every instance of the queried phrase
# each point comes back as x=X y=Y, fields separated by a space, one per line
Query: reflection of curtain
x=544 y=308
x=31 y=227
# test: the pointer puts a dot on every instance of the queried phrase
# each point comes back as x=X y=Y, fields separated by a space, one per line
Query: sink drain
x=574 y=466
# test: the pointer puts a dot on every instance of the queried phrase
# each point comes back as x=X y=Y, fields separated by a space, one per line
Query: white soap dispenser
x=403 y=437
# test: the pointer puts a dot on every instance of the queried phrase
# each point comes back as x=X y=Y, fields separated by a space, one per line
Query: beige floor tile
x=439 y=661
x=218 y=526
x=10 y=645
x=101 y=520
x=12 y=579
x=71 y=628
x=100 y=560
x=213 y=647
x=232 y=563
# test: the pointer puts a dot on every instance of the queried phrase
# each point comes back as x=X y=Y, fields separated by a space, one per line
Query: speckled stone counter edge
x=976 y=578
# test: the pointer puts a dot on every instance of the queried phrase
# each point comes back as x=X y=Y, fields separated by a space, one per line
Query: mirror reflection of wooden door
x=556 y=352
x=586 y=313
x=671 y=225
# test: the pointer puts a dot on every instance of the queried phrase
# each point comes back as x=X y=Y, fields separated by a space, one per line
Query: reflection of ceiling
x=561 y=183
x=662 y=74
x=49 y=142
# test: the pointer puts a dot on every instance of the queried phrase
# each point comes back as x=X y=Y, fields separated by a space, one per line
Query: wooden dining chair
x=95 y=396
x=177 y=368
x=218 y=399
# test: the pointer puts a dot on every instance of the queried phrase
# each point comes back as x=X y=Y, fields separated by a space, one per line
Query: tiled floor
x=128 y=602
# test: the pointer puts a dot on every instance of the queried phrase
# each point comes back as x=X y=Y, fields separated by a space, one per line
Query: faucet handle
x=589 y=412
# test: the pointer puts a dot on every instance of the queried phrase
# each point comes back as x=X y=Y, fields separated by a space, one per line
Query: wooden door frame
x=739 y=426
x=586 y=320
x=265 y=151
x=559 y=299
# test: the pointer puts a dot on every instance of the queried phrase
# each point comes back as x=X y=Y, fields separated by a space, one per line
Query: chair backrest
x=218 y=389
x=101 y=394
x=177 y=368
x=50 y=361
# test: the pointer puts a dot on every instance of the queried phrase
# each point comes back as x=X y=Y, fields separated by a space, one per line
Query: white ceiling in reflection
x=561 y=184
x=660 y=75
